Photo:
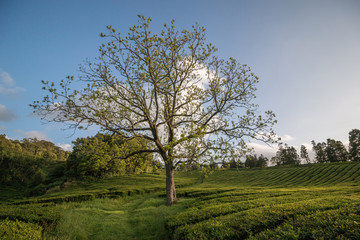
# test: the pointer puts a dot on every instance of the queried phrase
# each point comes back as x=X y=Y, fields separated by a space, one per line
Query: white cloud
x=308 y=146
x=266 y=150
x=65 y=146
x=5 y=114
x=33 y=134
x=11 y=91
x=7 y=85
x=6 y=78
x=287 y=138
x=270 y=151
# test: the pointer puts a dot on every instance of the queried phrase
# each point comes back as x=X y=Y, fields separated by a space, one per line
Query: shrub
x=18 y=230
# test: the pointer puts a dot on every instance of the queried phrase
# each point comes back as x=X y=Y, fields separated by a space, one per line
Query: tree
x=250 y=161
x=275 y=160
x=341 y=152
x=287 y=156
x=304 y=154
x=319 y=149
x=354 y=145
x=236 y=163
x=102 y=154
x=168 y=88
x=336 y=151
x=255 y=161
x=331 y=151
x=262 y=161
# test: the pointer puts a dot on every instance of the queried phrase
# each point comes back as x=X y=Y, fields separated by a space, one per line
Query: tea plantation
x=316 y=201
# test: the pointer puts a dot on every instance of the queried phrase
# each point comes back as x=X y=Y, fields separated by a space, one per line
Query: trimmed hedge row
x=45 y=215
x=328 y=174
x=18 y=230
x=243 y=224
x=86 y=197
x=343 y=223
x=201 y=212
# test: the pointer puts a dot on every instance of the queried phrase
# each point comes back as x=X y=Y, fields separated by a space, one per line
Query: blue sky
x=306 y=53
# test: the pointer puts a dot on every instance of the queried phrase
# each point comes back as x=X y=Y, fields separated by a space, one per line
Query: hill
x=342 y=173
x=300 y=202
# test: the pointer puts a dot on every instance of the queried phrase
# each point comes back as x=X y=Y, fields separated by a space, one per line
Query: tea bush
x=18 y=230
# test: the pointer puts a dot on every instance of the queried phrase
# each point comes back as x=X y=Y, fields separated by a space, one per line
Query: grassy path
x=125 y=218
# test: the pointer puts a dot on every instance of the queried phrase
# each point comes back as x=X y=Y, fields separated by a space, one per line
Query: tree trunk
x=170 y=184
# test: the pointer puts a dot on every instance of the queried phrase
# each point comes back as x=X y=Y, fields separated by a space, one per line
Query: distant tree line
x=329 y=151
x=255 y=161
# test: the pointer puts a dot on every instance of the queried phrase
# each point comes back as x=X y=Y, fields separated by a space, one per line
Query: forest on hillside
x=40 y=165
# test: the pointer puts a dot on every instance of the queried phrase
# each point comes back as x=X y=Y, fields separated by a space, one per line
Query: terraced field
x=304 y=202
x=319 y=201
x=298 y=213
x=288 y=176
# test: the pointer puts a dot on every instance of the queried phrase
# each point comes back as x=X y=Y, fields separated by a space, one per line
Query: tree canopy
x=255 y=161
x=102 y=155
x=304 y=154
x=320 y=153
x=168 y=88
x=354 y=145
x=286 y=155
x=331 y=151
x=24 y=161
x=336 y=151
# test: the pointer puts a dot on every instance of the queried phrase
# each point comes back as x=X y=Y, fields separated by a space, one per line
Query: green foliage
x=255 y=161
x=320 y=153
x=331 y=151
x=240 y=218
x=342 y=223
x=335 y=151
x=43 y=214
x=11 y=192
x=286 y=155
x=27 y=161
x=149 y=86
x=189 y=166
x=105 y=155
x=111 y=187
x=138 y=217
x=354 y=145
x=304 y=154
x=317 y=201
x=49 y=209
x=289 y=176
x=250 y=203
x=31 y=146
x=242 y=213
x=17 y=230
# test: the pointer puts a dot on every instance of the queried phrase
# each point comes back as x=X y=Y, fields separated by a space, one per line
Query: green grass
x=318 y=201
x=124 y=218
